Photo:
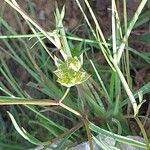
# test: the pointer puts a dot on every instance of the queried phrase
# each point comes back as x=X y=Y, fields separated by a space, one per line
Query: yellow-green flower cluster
x=70 y=73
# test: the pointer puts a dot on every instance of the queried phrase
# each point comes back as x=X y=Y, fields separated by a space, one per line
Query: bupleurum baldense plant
x=97 y=104
x=70 y=72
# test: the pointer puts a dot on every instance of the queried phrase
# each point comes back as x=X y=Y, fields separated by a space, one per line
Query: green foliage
x=95 y=102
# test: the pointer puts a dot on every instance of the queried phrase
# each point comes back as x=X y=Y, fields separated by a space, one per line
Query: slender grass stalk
x=114 y=44
x=131 y=25
x=102 y=84
x=96 y=33
x=39 y=39
x=73 y=38
x=127 y=89
x=115 y=30
x=96 y=23
x=143 y=132
x=89 y=135
x=127 y=59
x=19 y=36
x=118 y=24
x=5 y=90
x=126 y=53
x=117 y=137
x=31 y=20
x=7 y=74
x=85 y=17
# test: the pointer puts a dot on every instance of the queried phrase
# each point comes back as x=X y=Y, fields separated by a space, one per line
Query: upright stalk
x=88 y=131
x=127 y=67
x=114 y=46
x=126 y=54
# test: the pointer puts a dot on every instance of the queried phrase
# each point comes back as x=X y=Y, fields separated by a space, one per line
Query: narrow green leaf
x=117 y=137
x=24 y=134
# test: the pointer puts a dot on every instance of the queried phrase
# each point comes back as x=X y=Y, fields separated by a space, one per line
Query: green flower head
x=69 y=73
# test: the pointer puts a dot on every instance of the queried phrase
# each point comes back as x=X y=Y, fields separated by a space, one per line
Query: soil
x=44 y=14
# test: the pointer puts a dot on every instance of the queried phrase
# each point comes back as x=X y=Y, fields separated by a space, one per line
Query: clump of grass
x=93 y=99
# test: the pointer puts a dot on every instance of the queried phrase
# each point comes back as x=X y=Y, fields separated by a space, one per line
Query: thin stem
x=115 y=31
x=89 y=135
x=143 y=132
x=26 y=17
x=70 y=109
x=96 y=23
x=127 y=89
x=101 y=82
x=86 y=19
x=104 y=48
x=127 y=51
x=64 y=96
x=42 y=102
x=114 y=44
x=131 y=25
x=75 y=38
x=39 y=40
